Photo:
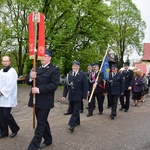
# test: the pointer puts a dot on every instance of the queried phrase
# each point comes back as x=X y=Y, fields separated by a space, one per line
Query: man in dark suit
x=114 y=88
x=69 y=110
x=99 y=90
x=89 y=71
x=76 y=86
x=47 y=80
x=128 y=78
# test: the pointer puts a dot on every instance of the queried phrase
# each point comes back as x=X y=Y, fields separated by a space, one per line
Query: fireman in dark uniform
x=128 y=78
x=114 y=88
x=99 y=90
x=89 y=71
x=77 y=88
x=47 y=80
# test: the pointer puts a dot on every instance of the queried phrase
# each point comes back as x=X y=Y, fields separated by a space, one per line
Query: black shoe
x=43 y=145
x=67 y=113
x=121 y=109
x=13 y=134
x=125 y=110
x=100 y=113
x=71 y=129
x=87 y=107
x=2 y=135
x=77 y=124
x=81 y=111
x=112 y=117
x=88 y=115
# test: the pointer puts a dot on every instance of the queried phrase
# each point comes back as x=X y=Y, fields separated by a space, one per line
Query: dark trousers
x=0 y=125
x=100 y=101
x=42 y=129
x=108 y=100
x=75 y=117
x=82 y=106
x=125 y=104
x=70 y=109
x=114 y=102
x=93 y=102
x=6 y=119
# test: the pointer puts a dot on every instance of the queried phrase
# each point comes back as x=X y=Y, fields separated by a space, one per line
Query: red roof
x=142 y=67
x=135 y=63
x=146 y=51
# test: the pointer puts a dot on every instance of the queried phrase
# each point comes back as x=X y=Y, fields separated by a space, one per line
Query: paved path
x=129 y=131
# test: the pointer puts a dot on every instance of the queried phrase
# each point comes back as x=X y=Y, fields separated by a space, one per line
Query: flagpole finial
x=108 y=46
x=36 y=16
x=36 y=10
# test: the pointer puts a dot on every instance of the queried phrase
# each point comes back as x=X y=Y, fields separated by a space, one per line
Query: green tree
x=74 y=30
x=14 y=20
x=128 y=26
x=77 y=30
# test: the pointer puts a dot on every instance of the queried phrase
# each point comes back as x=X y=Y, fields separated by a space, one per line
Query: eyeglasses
x=5 y=61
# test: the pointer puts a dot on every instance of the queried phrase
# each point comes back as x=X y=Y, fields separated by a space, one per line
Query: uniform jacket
x=128 y=78
x=100 y=82
x=138 y=85
x=114 y=86
x=47 y=81
x=145 y=82
x=88 y=74
x=76 y=86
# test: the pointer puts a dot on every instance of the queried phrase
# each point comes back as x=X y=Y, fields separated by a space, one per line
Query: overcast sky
x=144 y=7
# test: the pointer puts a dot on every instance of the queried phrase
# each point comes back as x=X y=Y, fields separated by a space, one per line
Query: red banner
x=41 y=41
x=31 y=35
x=41 y=35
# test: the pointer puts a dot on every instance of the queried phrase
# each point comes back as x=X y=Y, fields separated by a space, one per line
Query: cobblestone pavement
x=129 y=131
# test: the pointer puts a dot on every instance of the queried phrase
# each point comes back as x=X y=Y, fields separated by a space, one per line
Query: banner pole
x=98 y=74
x=34 y=61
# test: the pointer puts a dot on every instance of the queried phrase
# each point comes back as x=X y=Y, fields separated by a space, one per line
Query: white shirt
x=45 y=65
x=126 y=70
x=75 y=73
x=8 y=87
x=114 y=74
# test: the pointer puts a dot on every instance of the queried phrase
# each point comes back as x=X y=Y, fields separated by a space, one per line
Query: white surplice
x=8 y=87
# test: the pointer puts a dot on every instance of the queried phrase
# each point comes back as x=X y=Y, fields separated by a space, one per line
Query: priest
x=8 y=98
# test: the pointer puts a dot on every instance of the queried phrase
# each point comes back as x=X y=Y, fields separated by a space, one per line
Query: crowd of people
x=118 y=86
x=79 y=86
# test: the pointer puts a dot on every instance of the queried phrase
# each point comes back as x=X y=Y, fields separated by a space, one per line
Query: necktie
x=74 y=74
x=93 y=74
x=114 y=75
